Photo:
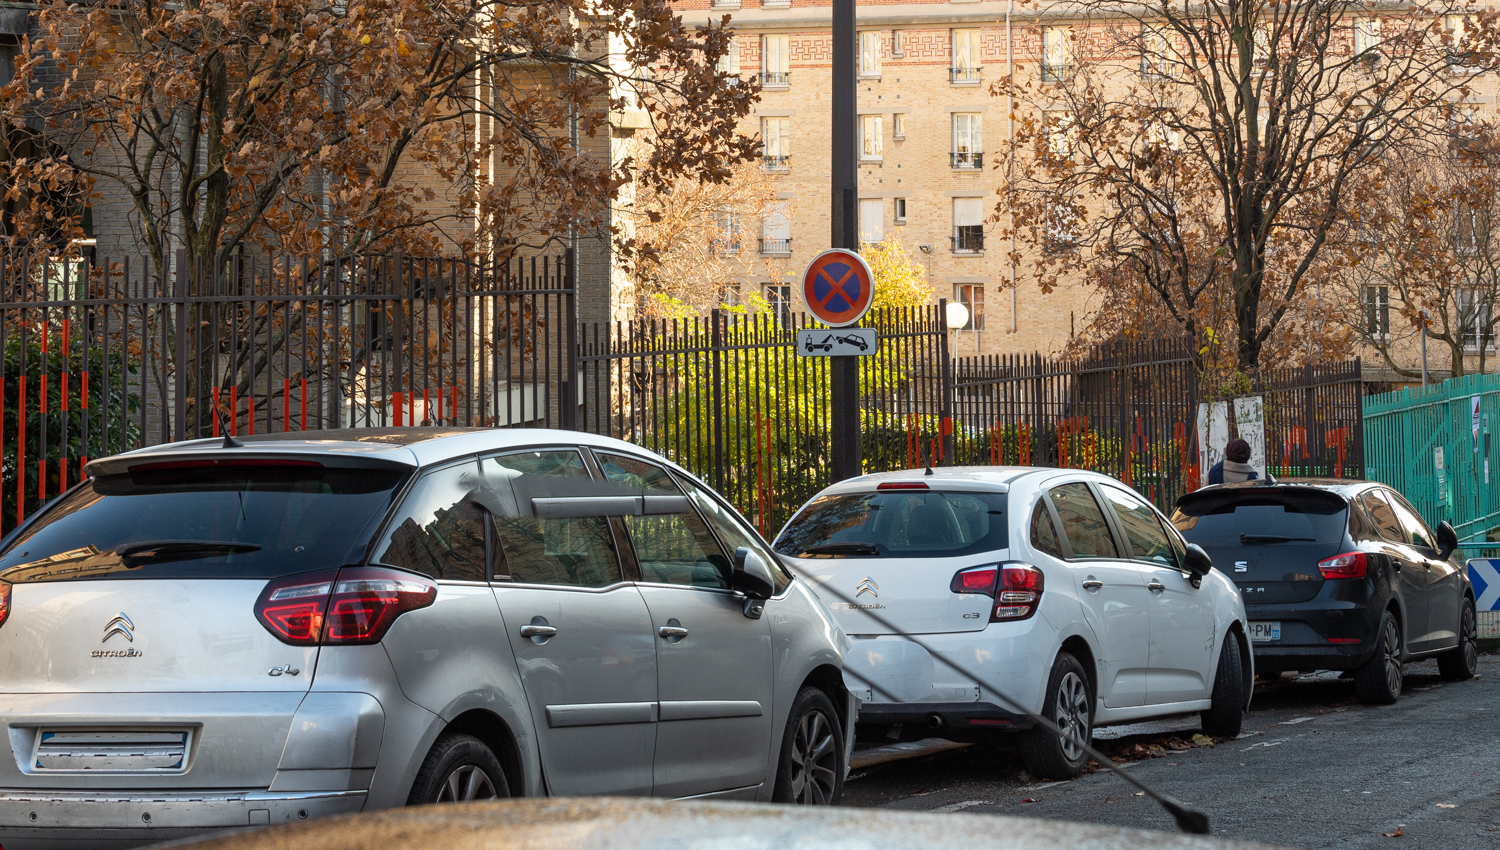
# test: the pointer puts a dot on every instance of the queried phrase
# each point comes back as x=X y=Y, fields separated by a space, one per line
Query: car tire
x=1226 y=711
x=1460 y=663
x=810 y=771
x=458 y=769
x=1069 y=704
x=1379 y=681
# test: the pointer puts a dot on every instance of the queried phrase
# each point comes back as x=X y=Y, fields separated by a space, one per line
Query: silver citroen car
x=218 y=634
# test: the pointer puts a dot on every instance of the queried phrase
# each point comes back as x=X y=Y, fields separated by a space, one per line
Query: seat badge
x=1242 y=566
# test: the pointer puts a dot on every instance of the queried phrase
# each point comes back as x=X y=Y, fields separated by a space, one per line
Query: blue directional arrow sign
x=1485 y=574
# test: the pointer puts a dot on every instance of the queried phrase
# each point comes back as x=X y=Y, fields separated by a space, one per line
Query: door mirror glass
x=1197 y=561
x=752 y=576
x=1447 y=539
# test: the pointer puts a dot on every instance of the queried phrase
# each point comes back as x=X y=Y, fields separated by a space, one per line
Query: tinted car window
x=733 y=532
x=439 y=529
x=1220 y=520
x=1083 y=522
x=1148 y=540
x=1417 y=532
x=219 y=521
x=897 y=524
x=570 y=551
x=1043 y=532
x=1383 y=515
x=670 y=548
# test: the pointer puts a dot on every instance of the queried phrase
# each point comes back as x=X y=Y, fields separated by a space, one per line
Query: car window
x=1043 y=532
x=1082 y=521
x=1383 y=515
x=1255 y=517
x=897 y=524
x=672 y=548
x=734 y=533
x=1417 y=532
x=439 y=530
x=568 y=551
x=1148 y=540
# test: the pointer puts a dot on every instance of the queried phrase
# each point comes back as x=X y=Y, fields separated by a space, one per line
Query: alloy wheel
x=1392 y=656
x=466 y=783
x=814 y=760
x=1470 y=638
x=1072 y=715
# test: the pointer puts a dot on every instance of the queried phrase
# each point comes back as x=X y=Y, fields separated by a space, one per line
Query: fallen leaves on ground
x=1447 y=805
x=1400 y=831
x=1030 y=800
x=1139 y=794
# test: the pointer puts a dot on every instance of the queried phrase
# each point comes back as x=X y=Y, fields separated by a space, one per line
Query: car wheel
x=811 y=769
x=1069 y=705
x=1461 y=662
x=1226 y=712
x=459 y=769
x=1379 y=680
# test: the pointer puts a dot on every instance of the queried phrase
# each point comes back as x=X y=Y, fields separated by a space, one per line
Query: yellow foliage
x=900 y=281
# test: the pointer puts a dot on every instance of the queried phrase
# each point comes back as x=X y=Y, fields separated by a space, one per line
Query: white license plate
x=1265 y=630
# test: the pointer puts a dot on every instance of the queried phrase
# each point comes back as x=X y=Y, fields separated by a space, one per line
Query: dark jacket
x=1216 y=474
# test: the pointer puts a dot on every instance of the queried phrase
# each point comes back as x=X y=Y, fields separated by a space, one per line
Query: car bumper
x=944 y=716
x=1313 y=636
x=31 y=820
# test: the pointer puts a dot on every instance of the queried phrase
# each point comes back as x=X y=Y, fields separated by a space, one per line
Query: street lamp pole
x=847 y=462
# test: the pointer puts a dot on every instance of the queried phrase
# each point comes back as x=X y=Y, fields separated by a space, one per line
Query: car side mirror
x=1447 y=539
x=752 y=577
x=1197 y=561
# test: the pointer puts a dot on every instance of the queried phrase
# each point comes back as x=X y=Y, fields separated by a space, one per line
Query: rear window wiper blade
x=1274 y=538
x=182 y=549
x=842 y=549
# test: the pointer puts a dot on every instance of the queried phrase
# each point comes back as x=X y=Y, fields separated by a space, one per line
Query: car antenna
x=1189 y=819
x=926 y=459
x=229 y=442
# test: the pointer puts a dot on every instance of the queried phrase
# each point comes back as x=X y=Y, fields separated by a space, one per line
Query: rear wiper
x=842 y=549
x=181 y=550
x=1273 y=538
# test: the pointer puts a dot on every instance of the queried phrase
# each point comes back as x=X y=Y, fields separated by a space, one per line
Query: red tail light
x=1016 y=588
x=902 y=485
x=4 y=609
x=1347 y=565
x=352 y=606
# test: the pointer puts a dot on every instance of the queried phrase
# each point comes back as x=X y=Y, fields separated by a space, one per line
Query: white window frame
x=960 y=211
x=1377 y=311
x=869 y=53
x=871 y=138
x=876 y=206
x=966 y=47
x=1366 y=35
x=963 y=293
x=1057 y=53
x=729 y=63
x=776 y=230
x=775 y=60
x=968 y=140
x=776 y=140
x=1059 y=132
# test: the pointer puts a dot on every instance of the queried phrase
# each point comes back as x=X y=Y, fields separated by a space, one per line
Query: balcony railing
x=724 y=247
x=776 y=247
x=1052 y=73
x=964 y=76
x=968 y=240
x=968 y=159
x=775 y=79
x=782 y=162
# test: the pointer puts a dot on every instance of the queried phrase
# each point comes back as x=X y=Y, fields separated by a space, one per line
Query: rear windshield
x=244 y=522
x=897 y=525
x=1263 y=519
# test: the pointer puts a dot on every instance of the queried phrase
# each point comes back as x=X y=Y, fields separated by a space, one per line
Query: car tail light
x=4 y=606
x=352 y=606
x=1016 y=588
x=1347 y=565
x=902 y=485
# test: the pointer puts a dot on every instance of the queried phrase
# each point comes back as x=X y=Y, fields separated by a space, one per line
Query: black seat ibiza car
x=1338 y=575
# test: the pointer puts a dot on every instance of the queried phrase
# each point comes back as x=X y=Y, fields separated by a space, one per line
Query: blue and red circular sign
x=838 y=287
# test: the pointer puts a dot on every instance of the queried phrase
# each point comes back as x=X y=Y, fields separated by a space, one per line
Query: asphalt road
x=1313 y=768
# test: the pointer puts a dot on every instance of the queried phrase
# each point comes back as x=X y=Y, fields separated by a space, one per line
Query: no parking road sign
x=838 y=287
x=1484 y=573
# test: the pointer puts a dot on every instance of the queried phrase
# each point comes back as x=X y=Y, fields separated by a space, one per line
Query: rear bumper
x=31 y=820
x=944 y=716
x=1307 y=630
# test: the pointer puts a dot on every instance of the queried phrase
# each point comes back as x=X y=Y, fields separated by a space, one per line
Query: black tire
x=1379 y=681
x=811 y=768
x=1226 y=713
x=459 y=769
x=1069 y=704
x=1461 y=662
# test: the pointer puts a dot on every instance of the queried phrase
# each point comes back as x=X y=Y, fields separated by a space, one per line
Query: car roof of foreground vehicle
x=994 y=479
x=630 y=823
x=410 y=447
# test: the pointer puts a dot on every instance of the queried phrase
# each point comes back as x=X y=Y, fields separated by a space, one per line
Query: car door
x=1181 y=660
x=581 y=632
x=1112 y=589
x=713 y=662
x=1441 y=585
x=1409 y=566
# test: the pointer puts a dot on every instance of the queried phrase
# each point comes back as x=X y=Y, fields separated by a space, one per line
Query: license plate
x=1265 y=630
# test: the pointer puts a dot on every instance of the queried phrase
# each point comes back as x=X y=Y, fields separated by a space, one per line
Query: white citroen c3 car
x=1063 y=589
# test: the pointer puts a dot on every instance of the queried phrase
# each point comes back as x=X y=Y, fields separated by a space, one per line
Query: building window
x=777 y=136
x=869 y=54
x=726 y=235
x=1156 y=55
x=966 y=63
x=968 y=140
x=968 y=225
x=779 y=298
x=1057 y=54
x=898 y=126
x=871 y=220
x=776 y=231
x=1261 y=44
x=1378 y=311
x=1474 y=318
x=1367 y=38
x=1457 y=26
x=1059 y=132
x=729 y=63
x=898 y=50
x=871 y=145
x=775 y=61
x=971 y=295
x=900 y=210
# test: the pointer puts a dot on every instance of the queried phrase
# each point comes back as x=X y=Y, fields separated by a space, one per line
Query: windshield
x=923 y=524
x=256 y=521
x=1263 y=519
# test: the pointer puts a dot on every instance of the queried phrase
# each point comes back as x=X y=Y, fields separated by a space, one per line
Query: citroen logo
x=120 y=625
x=867 y=586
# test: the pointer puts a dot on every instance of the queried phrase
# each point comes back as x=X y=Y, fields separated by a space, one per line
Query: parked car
x=1339 y=575
x=1064 y=590
x=203 y=636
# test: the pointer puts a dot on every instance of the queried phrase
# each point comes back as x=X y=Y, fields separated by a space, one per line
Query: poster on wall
x=1215 y=427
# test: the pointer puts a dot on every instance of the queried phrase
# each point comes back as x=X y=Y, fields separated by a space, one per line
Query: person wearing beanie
x=1235 y=466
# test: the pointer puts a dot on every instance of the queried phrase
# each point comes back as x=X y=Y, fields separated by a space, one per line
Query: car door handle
x=538 y=630
x=673 y=631
x=1156 y=585
x=1092 y=584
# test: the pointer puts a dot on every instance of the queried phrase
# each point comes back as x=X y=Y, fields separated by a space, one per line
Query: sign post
x=844 y=223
